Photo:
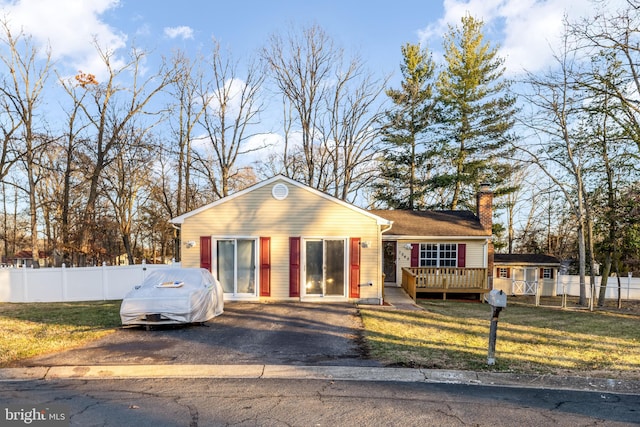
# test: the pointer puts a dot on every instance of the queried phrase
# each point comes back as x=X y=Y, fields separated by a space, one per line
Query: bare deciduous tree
x=556 y=104
x=301 y=66
x=231 y=108
x=331 y=111
x=126 y=182
x=186 y=113
x=113 y=105
x=22 y=90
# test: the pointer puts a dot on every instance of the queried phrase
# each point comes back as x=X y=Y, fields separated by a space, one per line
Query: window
x=503 y=272
x=438 y=255
x=547 y=273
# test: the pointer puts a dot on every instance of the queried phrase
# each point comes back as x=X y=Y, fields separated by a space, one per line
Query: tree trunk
x=126 y=241
x=581 y=263
x=606 y=270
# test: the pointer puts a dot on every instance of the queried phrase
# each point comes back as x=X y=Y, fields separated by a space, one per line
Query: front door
x=325 y=267
x=389 y=261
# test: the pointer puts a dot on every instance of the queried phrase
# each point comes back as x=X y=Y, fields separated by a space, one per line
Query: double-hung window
x=438 y=255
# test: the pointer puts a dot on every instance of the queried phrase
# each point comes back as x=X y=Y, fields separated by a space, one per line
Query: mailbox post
x=498 y=300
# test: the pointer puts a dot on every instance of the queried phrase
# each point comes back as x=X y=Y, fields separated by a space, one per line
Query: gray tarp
x=173 y=295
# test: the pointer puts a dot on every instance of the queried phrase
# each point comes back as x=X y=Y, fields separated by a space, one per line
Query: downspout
x=177 y=244
x=380 y=273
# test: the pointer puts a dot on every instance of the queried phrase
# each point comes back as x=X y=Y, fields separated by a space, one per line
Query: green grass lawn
x=455 y=335
x=38 y=328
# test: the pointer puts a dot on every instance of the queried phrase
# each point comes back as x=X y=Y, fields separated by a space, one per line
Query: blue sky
x=526 y=29
x=375 y=28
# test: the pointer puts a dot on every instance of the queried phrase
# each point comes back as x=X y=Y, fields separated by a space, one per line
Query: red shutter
x=265 y=266
x=551 y=273
x=205 y=252
x=294 y=266
x=509 y=273
x=354 y=267
x=542 y=273
x=415 y=255
x=462 y=255
x=498 y=272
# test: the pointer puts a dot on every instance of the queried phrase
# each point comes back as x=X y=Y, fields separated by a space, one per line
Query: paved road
x=247 y=333
x=291 y=364
x=282 y=402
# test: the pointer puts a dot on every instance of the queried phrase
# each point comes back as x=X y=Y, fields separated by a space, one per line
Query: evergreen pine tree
x=402 y=183
x=477 y=117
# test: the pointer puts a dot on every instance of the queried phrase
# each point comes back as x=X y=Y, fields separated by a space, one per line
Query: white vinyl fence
x=112 y=283
x=629 y=287
x=72 y=284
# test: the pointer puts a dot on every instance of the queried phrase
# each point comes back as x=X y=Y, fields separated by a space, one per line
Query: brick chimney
x=484 y=203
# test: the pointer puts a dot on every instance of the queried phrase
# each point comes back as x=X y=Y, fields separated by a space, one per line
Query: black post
x=495 y=312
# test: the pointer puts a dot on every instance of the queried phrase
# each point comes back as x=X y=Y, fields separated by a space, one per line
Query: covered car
x=172 y=296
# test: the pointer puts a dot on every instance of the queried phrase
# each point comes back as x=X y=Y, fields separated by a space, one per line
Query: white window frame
x=303 y=269
x=439 y=248
x=504 y=272
x=547 y=273
x=214 y=265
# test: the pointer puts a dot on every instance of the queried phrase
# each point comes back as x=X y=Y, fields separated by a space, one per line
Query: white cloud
x=69 y=27
x=528 y=31
x=183 y=32
x=232 y=95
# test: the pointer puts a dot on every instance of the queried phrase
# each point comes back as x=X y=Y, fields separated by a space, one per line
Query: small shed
x=526 y=274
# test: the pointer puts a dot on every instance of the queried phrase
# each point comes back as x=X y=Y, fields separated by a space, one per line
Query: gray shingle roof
x=538 y=259
x=432 y=223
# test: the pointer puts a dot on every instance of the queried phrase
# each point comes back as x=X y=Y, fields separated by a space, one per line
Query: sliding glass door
x=325 y=267
x=236 y=266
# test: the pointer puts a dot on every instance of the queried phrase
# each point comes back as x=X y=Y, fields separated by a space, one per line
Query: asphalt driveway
x=247 y=333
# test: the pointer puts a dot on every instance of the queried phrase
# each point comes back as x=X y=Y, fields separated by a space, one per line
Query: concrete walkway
x=398 y=299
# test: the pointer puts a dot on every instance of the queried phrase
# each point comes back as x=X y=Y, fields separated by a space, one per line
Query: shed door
x=524 y=281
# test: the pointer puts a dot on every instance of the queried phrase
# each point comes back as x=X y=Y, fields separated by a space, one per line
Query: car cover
x=173 y=295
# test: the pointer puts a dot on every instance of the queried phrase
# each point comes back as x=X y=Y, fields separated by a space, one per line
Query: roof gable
x=180 y=219
x=433 y=223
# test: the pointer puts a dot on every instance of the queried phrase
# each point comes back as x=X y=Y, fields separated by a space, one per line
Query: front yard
x=38 y=328
x=455 y=335
x=446 y=335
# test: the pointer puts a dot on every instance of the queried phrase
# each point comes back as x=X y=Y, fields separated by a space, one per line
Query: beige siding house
x=440 y=252
x=282 y=240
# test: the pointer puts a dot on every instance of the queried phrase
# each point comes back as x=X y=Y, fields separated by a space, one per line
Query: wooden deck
x=448 y=280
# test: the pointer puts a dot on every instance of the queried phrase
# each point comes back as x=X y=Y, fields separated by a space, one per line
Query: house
x=526 y=274
x=282 y=240
x=24 y=258
x=440 y=252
